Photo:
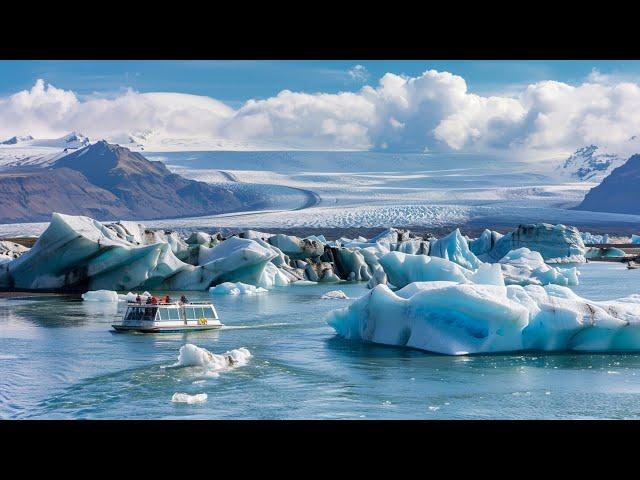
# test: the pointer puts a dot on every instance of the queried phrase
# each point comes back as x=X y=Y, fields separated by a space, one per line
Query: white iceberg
x=101 y=296
x=179 y=397
x=335 y=294
x=458 y=319
x=11 y=250
x=238 y=288
x=297 y=248
x=524 y=267
x=193 y=356
x=79 y=253
x=403 y=269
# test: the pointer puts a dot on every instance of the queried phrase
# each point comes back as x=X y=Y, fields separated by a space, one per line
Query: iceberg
x=485 y=242
x=524 y=267
x=78 y=253
x=101 y=296
x=297 y=248
x=11 y=250
x=454 y=247
x=590 y=238
x=608 y=252
x=556 y=243
x=463 y=318
x=403 y=269
x=349 y=263
x=179 y=397
x=335 y=294
x=238 y=288
x=191 y=355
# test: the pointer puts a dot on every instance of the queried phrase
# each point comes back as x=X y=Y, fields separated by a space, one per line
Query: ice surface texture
x=462 y=318
x=79 y=253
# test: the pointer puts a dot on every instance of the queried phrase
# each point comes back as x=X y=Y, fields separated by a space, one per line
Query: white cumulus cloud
x=433 y=111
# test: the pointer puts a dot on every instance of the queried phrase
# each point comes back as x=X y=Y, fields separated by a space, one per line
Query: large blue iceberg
x=463 y=318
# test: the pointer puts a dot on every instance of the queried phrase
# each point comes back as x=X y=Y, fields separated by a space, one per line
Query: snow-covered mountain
x=590 y=164
x=72 y=140
x=26 y=151
x=17 y=139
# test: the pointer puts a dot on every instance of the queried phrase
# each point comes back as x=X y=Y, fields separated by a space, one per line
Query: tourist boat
x=168 y=317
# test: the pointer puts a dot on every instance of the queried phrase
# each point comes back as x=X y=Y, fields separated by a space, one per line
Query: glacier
x=456 y=318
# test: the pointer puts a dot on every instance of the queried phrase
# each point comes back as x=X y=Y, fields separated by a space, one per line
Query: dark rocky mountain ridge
x=619 y=192
x=106 y=181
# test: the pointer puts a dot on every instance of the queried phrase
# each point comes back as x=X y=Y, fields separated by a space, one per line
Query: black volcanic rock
x=618 y=193
x=117 y=184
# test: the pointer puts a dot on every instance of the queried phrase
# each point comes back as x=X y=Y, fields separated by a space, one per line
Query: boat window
x=150 y=313
x=190 y=313
x=134 y=313
x=198 y=312
x=208 y=312
x=173 y=314
x=164 y=315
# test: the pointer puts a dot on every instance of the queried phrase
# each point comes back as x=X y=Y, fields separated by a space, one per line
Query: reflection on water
x=61 y=360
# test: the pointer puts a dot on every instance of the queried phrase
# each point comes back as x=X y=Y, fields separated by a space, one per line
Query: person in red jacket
x=154 y=300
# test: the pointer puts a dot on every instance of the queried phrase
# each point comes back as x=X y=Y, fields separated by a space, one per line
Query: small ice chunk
x=100 y=296
x=238 y=288
x=193 y=356
x=179 y=397
x=333 y=294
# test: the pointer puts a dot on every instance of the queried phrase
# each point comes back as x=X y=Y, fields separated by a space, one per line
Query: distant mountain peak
x=589 y=163
x=75 y=140
x=17 y=139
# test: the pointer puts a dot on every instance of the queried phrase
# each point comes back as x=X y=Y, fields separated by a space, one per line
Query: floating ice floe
x=179 y=397
x=100 y=296
x=335 y=294
x=460 y=318
x=193 y=356
x=238 y=288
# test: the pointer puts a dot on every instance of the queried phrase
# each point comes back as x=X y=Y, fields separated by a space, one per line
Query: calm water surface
x=59 y=359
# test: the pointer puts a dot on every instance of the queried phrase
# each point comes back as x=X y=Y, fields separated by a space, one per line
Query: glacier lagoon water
x=59 y=359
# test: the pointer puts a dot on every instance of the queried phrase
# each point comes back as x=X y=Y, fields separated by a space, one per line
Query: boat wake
x=262 y=325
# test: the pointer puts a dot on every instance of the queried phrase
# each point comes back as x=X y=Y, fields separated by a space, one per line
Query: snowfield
x=365 y=189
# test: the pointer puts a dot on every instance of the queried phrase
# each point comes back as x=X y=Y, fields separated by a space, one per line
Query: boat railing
x=163 y=304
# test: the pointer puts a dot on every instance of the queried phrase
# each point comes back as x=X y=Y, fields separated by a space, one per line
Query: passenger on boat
x=138 y=298
x=154 y=300
x=148 y=302
x=167 y=299
x=183 y=299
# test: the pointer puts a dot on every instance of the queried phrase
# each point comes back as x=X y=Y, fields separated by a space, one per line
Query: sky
x=504 y=106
